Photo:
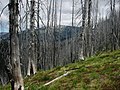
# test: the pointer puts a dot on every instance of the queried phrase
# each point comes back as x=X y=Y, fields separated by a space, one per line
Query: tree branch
x=3 y=10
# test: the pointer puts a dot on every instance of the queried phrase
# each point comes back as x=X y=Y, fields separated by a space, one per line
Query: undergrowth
x=101 y=72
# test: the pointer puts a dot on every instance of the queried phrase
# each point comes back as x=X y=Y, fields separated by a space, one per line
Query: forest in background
x=35 y=44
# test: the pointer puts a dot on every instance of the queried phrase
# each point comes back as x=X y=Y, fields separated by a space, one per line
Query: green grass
x=101 y=72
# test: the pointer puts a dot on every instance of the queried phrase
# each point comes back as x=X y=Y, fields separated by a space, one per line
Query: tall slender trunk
x=32 y=65
x=53 y=12
x=71 y=40
x=84 y=7
x=113 y=28
x=95 y=26
x=60 y=13
x=89 y=32
x=54 y=30
x=48 y=13
x=27 y=4
x=59 y=42
x=38 y=12
x=16 y=80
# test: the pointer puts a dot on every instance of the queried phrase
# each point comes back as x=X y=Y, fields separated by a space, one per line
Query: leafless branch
x=3 y=10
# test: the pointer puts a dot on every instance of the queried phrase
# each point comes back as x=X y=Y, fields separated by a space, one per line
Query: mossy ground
x=101 y=72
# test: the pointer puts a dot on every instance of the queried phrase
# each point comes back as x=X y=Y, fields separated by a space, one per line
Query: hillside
x=44 y=48
x=101 y=72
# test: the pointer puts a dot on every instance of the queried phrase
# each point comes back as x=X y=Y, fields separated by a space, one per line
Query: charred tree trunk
x=32 y=64
x=38 y=12
x=89 y=29
x=16 y=79
x=59 y=37
x=27 y=4
x=71 y=40
x=114 y=38
x=54 y=41
x=84 y=7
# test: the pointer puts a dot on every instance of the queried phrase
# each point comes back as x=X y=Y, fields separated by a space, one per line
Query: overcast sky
x=66 y=12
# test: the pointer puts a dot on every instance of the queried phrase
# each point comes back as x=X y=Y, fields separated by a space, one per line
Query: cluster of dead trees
x=54 y=44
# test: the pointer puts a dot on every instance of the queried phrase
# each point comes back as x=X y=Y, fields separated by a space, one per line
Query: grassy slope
x=100 y=72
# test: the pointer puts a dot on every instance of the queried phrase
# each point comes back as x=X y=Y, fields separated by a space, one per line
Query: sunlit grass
x=101 y=72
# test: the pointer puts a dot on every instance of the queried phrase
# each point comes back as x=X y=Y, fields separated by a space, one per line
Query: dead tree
x=38 y=12
x=32 y=64
x=114 y=32
x=88 y=38
x=84 y=7
x=27 y=5
x=54 y=35
x=71 y=40
x=59 y=42
x=16 y=80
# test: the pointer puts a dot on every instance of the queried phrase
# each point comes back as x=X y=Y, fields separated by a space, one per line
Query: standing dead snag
x=88 y=38
x=17 y=80
x=84 y=11
x=32 y=64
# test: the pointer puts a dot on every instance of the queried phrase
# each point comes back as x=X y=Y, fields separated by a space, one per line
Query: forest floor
x=101 y=72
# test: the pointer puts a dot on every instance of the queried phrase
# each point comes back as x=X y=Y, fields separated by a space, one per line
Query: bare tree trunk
x=89 y=29
x=95 y=26
x=52 y=16
x=38 y=12
x=82 y=53
x=54 y=41
x=60 y=13
x=27 y=4
x=32 y=66
x=71 y=40
x=17 y=80
x=114 y=39
x=111 y=7
x=59 y=42
x=48 y=13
